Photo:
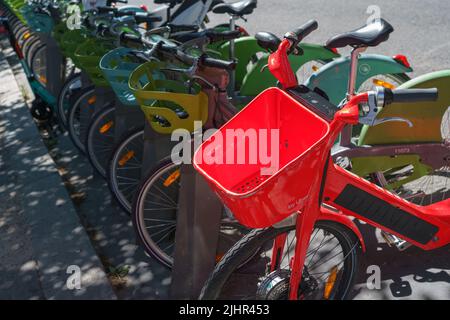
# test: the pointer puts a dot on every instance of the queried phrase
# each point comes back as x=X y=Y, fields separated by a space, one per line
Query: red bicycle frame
x=427 y=227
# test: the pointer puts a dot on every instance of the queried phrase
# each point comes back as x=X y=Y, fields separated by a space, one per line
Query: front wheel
x=329 y=271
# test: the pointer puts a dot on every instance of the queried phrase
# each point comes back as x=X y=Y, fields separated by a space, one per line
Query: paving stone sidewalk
x=40 y=232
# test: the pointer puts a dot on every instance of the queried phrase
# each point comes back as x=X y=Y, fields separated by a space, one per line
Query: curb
x=40 y=230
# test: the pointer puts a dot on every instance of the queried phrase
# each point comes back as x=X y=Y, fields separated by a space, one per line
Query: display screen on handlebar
x=314 y=101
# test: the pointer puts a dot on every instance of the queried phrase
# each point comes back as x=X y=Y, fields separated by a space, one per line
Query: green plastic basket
x=167 y=104
x=38 y=22
x=88 y=56
x=117 y=65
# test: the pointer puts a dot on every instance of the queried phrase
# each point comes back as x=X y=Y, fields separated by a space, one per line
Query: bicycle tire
x=71 y=120
x=92 y=149
x=61 y=106
x=258 y=237
x=127 y=139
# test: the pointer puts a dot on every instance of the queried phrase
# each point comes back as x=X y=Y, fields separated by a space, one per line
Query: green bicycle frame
x=426 y=118
x=252 y=82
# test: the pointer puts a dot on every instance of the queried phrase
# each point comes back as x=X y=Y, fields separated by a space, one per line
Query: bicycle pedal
x=394 y=241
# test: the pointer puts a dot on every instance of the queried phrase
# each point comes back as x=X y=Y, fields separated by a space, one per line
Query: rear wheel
x=329 y=271
x=100 y=138
x=155 y=212
x=125 y=168
x=71 y=87
x=79 y=117
x=433 y=186
x=39 y=65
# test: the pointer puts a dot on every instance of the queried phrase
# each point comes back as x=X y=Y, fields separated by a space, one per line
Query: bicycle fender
x=245 y=49
x=336 y=216
x=333 y=77
x=258 y=80
x=426 y=117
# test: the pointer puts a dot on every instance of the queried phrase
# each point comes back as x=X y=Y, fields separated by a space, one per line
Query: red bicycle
x=307 y=244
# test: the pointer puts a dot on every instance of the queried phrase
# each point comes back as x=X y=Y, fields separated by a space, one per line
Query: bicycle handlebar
x=298 y=34
x=130 y=38
x=110 y=2
x=203 y=60
x=181 y=27
x=217 y=63
x=215 y=36
x=142 y=17
x=410 y=95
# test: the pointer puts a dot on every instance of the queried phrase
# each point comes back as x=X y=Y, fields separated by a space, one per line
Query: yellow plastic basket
x=167 y=104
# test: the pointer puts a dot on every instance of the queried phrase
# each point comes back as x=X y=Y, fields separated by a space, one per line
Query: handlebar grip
x=142 y=17
x=124 y=13
x=106 y=9
x=301 y=32
x=410 y=95
x=215 y=36
x=130 y=38
x=216 y=63
x=182 y=27
x=110 y=2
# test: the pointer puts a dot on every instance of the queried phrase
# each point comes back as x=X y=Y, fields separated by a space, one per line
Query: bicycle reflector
x=383 y=84
x=172 y=178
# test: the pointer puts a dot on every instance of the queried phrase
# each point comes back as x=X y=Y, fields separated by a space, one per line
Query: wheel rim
x=326 y=260
x=39 y=66
x=67 y=93
x=307 y=69
x=126 y=166
x=158 y=208
x=100 y=139
x=156 y=216
x=79 y=120
x=427 y=189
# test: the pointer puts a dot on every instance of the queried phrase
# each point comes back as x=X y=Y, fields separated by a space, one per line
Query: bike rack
x=55 y=70
x=200 y=211
x=197 y=235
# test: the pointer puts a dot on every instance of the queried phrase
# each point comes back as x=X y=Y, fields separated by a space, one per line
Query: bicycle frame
x=427 y=227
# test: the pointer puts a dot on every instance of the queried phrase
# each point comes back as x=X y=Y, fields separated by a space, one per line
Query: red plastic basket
x=258 y=200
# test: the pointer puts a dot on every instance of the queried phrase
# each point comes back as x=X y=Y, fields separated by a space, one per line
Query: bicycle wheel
x=71 y=88
x=78 y=121
x=100 y=139
x=155 y=210
x=428 y=189
x=124 y=169
x=329 y=271
x=389 y=81
x=306 y=70
x=28 y=47
x=39 y=65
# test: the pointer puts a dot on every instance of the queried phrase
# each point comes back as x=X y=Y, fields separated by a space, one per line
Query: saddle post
x=346 y=134
x=231 y=85
x=351 y=90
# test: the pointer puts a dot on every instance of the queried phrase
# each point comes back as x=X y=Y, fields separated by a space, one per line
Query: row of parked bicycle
x=174 y=69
